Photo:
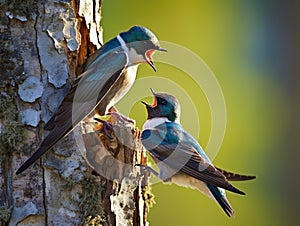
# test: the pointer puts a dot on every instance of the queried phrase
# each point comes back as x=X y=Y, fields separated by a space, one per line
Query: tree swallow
x=107 y=76
x=179 y=157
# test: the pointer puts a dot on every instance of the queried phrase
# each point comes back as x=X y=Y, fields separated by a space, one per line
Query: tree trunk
x=86 y=179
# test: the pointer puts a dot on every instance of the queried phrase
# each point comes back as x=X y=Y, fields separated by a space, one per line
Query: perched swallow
x=179 y=157
x=108 y=75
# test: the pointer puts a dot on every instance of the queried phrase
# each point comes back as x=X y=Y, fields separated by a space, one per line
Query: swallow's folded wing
x=86 y=93
x=185 y=158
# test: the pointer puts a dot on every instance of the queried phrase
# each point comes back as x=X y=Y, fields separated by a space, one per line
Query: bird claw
x=148 y=169
x=105 y=128
x=118 y=117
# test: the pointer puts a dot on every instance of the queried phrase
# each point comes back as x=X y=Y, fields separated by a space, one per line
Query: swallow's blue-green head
x=140 y=43
x=164 y=105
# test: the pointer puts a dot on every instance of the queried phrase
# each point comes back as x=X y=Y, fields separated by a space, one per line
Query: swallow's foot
x=106 y=128
x=148 y=169
x=119 y=118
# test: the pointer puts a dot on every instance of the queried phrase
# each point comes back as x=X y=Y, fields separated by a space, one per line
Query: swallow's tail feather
x=234 y=176
x=52 y=138
x=50 y=124
x=32 y=159
x=221 y=199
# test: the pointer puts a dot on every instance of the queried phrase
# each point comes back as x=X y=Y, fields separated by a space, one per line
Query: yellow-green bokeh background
x=238 y=40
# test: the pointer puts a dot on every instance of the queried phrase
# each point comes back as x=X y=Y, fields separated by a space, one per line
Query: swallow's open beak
x=153 y=105
x=162 y=50
x=143 y=102
x=154 y=101
x=153 y=92
x=148 y=57
x=149 y=54
x=150 y=62
x=152 y=109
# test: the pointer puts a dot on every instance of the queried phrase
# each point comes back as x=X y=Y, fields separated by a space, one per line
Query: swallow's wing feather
x=185 y=158
x=98 y=77
x=87 y=92
x=90 y=88
x=191 y=163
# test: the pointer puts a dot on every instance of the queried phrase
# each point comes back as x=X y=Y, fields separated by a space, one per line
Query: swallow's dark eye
x=163 y=102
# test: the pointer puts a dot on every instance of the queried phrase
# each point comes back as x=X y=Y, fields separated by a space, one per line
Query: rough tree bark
x=43 y=45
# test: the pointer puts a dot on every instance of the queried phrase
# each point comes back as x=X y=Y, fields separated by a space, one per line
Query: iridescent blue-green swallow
x=179 y=157
x=108 y=75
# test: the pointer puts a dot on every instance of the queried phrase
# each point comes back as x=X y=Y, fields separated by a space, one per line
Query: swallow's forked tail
x=222 y=200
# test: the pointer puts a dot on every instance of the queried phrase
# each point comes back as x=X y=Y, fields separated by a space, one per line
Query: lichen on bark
x=11 y=130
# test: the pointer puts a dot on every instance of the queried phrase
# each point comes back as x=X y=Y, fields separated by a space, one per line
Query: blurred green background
x=248 y=45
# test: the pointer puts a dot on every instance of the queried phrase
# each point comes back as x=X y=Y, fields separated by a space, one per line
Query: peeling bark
x=87 y=179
